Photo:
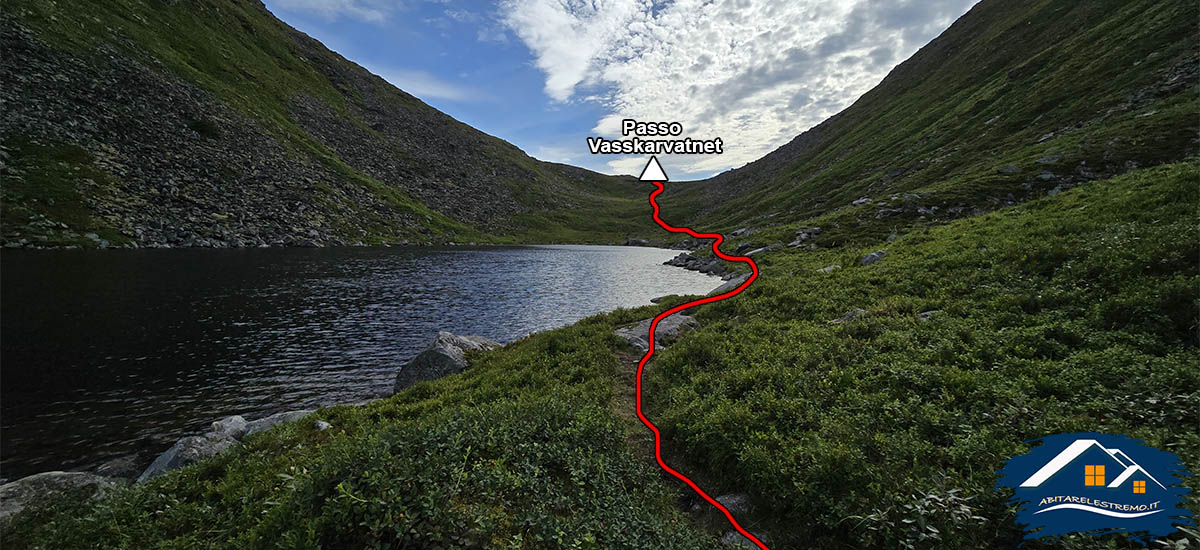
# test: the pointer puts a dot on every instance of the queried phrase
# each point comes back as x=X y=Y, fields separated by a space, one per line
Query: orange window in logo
x=1139 y=486
x=1093 y=476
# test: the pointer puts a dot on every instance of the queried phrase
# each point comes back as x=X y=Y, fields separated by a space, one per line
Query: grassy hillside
x=146 y=93
x=1013 y=100
x=1070 y=313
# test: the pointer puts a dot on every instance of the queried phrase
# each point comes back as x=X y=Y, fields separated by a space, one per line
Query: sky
x=546 y=74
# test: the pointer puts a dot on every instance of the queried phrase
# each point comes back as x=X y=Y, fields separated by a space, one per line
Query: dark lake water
x=111 y=353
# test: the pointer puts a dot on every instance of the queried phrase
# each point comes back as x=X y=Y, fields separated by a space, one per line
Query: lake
x=105 y=354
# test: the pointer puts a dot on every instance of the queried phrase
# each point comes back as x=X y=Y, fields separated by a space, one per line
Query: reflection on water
x=107 y=353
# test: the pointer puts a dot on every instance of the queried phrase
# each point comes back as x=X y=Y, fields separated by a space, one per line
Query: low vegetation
x=1072 y=313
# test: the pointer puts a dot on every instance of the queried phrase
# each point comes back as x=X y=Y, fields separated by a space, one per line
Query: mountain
x=212 y=123
x=1014 y=100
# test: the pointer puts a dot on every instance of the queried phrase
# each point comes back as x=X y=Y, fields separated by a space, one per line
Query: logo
x=1097 y=484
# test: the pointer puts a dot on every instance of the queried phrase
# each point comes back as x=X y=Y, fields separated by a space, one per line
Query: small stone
x=860 y=202
x=1010 y=169
x=1047 y=176
x=873 y=257
x=851 y=315
x=830 y=268
x=736 y=503
x=737 y=540
x=322 y=425
x=1049 y=159
x=925 y=315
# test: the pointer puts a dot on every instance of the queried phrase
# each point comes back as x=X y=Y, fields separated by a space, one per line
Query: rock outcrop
x=669 y=330
x=225 y=433
x=28 y=491
x=445 y=356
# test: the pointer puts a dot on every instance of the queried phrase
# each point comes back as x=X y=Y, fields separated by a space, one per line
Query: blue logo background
x=1069 y=487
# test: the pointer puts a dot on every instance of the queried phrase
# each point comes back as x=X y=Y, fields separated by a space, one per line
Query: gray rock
x=860 y=202
x=807 y=232
x=925 y=315
x=322 y=425
x=1058 y=189
x=1049 y=159
x=445 y=356
x=851 y=315
x=736 y=503
x=830 y=268
x=764 y=249
x=889 y=212
x=1010 y=169
x=636 y=242
x=1047 y=176
x=873 y=257
x=264 y=424
x=730 y=285
x=668 y=332
x=29 y=491
x=735 y=539
x=188 y=450
x=230 y=426
x=712 y=267
x=122 y=467
x=743 y=232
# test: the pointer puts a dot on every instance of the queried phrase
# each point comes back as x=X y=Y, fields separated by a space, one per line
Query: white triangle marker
x=653 y=171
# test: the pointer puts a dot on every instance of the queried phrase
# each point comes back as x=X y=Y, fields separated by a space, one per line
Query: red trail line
x=717 y=238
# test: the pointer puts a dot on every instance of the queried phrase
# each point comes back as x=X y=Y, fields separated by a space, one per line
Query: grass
x=1006 y=85
x=48 y=184
x=243 y=56
x=1070 y=313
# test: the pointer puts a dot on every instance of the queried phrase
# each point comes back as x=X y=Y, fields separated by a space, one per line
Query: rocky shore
x=446 y=355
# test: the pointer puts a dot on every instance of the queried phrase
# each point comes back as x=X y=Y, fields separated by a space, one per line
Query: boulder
x=736 y=503
x=230 y=426
x=730 y=285
x=734 y=539
x=830 y=268
x=20 y=494
x=1049 y=159
x=851 y=315
x=1010 y=169
x=122 y=467
x=668 y=331
x=322 y=425
x=764 y=249
x=743 y=232
x=861 y=201
x=264 y=424
x=873 y=257
x=186 y=451
x=445 y=356
x=925 y=315
x=806 y=233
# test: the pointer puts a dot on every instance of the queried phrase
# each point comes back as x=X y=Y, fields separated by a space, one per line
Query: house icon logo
x=1096 y=483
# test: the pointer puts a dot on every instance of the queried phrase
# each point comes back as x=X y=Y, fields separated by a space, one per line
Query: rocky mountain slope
x=1014 y=101
x=212 y=123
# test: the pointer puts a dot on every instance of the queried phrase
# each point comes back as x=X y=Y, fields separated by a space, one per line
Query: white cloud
x=754 y=72
x=375 y=11
x=427 y=86
x=552 y=153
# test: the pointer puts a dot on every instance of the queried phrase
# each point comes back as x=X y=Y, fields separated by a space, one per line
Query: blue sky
x=545 y=74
